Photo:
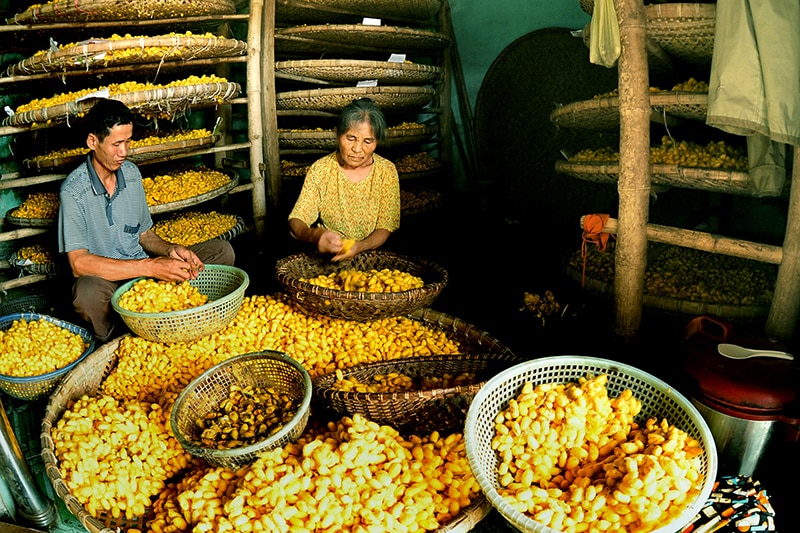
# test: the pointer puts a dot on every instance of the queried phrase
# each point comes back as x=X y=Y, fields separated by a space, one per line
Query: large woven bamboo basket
x=358 y=305
x=354 y=70
x=417 y=412
x=335 y=99
x=111 y=10
x=344 y=38
x=683 y=30
x=326 y=140
x=27 y=222
x=330 y=11
x=704 y=179
x=96 y=53
x=670 y=305
x=603 y=113
x=167 y=102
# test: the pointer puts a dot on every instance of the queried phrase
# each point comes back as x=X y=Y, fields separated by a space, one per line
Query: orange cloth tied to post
x=593 y=233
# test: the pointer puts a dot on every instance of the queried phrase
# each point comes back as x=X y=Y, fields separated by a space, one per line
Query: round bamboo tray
x=46 y=269
x=704 y=179
x=170 y=101
x=675 y=306
x=326 y=140
x=111 y=10
x=336 y=99
x=94 y=53
x=29 y=222
x=354 y=70
x=137 y=155
x=313 y=11
x=603 y=113
x=343 y=38
x=194 y=200
x=683 y=30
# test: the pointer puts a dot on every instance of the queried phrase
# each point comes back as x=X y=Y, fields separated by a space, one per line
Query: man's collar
x=97 y=185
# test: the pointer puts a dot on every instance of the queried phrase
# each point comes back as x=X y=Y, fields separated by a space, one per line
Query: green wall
x=484 y=28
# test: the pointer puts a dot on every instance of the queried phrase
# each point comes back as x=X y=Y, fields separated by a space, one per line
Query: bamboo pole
x=269 y=117
x=783 y=313
x=443 y=93
x=634 y=168
x=21 y=233
x=21 y=282
x=255 y=126
x=706 y=242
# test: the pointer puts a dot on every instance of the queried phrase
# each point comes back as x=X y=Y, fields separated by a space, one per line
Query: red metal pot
x=747 y=403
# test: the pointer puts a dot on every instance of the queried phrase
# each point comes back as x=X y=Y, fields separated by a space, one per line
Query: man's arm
x=172 y=262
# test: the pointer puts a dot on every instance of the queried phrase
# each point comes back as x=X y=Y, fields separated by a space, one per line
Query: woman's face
x=356 y=145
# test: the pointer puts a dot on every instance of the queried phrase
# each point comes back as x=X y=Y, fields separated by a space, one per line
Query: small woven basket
x=357 y=305
x=414 y=412
x=658 y=399
x=203 y=395
x=349 y=38
x=34 y=387
x=326 y=139
x=224 y=286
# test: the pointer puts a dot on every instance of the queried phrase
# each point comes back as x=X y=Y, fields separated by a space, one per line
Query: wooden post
x=272 y=158
x=255 y=127
x=634 y=168
x=783 y=313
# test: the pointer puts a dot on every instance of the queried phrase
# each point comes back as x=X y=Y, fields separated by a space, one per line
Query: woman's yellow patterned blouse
x=352 y=209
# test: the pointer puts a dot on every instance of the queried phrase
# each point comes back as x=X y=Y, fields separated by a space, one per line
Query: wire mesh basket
x=224 y=285
x=415 y=411
x=34 y=387
x=658 y=399
x=268 y=368
x=358 y=305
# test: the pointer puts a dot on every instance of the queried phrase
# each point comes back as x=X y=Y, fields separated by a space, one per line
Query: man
x=105 y=227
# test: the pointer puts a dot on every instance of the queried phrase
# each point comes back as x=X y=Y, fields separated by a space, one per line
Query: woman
x=352 y=194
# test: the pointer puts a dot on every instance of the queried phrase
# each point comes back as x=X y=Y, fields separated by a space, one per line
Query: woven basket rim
x=334 y=37
x=72 y=328
x=68 y=58
x=681 y=10
x=183 y=312
x=48 y=269
x=430 y=287
x=275 y=355
x=28 y=222
x=707 y=179
x=356 y=91
x=60 y=10
x=358 y=69
x=136 y=101
x=605 y=109
x=322 y=384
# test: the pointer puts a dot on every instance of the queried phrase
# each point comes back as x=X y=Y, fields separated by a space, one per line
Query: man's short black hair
x=104 y=115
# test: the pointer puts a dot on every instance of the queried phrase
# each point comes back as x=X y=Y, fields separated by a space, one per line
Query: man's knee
x=215 y=252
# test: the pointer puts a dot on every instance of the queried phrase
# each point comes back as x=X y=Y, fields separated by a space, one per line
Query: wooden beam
x=706 y=242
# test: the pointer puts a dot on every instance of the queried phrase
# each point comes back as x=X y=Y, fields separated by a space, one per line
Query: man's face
x=112 y=151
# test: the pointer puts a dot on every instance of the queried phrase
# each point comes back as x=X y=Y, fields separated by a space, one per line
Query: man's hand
x=192 y=263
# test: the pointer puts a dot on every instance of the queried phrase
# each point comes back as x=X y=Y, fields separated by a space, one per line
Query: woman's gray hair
x=362 y=110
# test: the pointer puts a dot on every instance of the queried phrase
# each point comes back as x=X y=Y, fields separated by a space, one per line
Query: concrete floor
x=492 y=261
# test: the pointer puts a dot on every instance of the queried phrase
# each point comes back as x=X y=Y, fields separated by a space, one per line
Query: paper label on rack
x=397 y=58
x=371 y=22
x=102 y=93
x=9 y=111
x=367 y=83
